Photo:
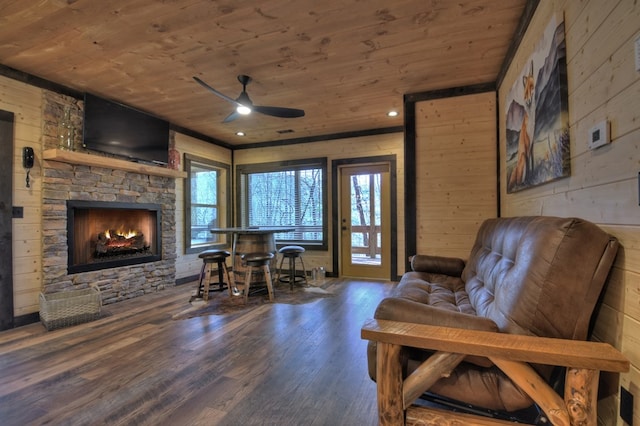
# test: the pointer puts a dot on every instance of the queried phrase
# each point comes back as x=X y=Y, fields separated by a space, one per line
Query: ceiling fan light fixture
x=244 y=106
x=243 y=110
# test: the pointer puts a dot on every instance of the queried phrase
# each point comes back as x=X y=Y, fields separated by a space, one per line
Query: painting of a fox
x=537 y=124
x=524 y=162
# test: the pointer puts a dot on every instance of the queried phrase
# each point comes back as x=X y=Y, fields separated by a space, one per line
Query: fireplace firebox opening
x=103 y=235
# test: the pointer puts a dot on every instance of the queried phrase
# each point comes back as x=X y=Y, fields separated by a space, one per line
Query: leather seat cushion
x=436 y=290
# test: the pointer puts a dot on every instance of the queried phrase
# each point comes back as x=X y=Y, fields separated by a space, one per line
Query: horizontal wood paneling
x=455 y=172
x=25 y=102
x=603 y=186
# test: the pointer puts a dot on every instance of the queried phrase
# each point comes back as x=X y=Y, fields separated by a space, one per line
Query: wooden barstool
x=292 y=253
x=209 y=258
x=257 y=260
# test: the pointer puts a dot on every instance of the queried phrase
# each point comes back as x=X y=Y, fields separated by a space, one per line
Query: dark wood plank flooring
x=277 y=364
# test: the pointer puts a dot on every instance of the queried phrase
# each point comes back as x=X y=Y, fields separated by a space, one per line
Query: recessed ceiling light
x=240 y=133
x=392 y=113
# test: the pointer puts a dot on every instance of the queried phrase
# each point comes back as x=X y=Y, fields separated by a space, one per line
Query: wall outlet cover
x=17 y=212
x=626 y=406
x=598 y=135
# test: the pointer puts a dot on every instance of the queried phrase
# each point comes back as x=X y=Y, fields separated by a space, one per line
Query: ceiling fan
x=244 y=106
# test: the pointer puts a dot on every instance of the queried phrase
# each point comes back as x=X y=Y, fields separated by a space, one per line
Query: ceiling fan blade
x=231 y=117
x=279 y=111
x=222 y=95
x=244 y=101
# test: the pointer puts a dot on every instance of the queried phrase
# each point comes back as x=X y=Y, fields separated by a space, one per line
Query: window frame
x=283 y=166
x=222 y=201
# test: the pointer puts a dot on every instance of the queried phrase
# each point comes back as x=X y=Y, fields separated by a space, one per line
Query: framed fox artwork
x=537 y=115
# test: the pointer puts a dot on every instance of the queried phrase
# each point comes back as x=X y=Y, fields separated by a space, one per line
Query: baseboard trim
x=187 y=280
x=26 y=319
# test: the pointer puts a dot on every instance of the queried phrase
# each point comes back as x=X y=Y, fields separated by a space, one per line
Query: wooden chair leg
x=247 y=283
x=267 y=276
x=292 y=272
x=207 y=281
x=221 y=270
x=229 y=282
x=200 y=283
x=280 y=268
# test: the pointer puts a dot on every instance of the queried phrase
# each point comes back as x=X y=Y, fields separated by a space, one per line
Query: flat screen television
x=117 y=129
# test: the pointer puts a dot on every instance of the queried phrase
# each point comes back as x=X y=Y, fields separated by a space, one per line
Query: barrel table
x=251 y=240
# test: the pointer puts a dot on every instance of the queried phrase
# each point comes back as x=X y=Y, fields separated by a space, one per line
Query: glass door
x=364 y=221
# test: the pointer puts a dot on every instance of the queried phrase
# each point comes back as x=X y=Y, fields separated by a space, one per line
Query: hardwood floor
x=277 y=364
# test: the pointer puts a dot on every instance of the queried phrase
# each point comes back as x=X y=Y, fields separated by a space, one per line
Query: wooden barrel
x=252 y=243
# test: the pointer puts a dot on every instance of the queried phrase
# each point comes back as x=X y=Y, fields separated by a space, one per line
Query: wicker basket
x=67 y=308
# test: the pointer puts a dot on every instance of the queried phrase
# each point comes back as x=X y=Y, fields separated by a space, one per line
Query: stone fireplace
x=79 y=178
x=103 y=235
x=65 y=185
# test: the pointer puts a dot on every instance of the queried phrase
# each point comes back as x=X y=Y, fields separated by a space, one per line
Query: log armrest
x=511 y=353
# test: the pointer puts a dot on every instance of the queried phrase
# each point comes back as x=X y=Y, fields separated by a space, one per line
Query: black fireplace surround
x=91 y=246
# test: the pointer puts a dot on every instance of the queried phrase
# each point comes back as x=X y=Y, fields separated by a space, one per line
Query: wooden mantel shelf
x=109 y=163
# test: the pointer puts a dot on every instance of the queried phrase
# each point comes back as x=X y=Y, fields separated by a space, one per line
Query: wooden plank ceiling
x=346 y=63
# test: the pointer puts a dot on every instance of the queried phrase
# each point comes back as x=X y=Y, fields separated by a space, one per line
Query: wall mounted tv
x=117 y=129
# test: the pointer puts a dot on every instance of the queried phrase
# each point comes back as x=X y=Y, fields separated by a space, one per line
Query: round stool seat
x=291 y=250
x=292 y=253
x=257 y=259
x=209 y=257
x=214 y=255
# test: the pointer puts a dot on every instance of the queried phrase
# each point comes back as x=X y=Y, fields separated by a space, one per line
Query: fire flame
x=120 y=233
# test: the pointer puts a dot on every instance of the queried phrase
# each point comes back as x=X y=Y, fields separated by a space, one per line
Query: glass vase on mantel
x=66 y=131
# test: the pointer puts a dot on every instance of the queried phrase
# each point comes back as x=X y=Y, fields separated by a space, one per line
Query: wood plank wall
x=455 y=171
x=25 y=102
x=603 y=186
x=366 y=146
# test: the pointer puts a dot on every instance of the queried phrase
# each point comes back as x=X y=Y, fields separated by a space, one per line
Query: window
x=207 y=203
x=291 y=193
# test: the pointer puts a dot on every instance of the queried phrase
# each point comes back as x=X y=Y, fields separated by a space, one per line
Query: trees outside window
x=207 y=203
x=291 y=194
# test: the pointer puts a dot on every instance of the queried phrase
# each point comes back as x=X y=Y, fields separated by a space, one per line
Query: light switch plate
x=598 y=135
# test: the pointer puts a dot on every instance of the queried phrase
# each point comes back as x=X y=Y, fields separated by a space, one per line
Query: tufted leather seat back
x=524 y=272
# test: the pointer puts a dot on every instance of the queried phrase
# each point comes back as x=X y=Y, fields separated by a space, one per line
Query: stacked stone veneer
x=62 y=182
